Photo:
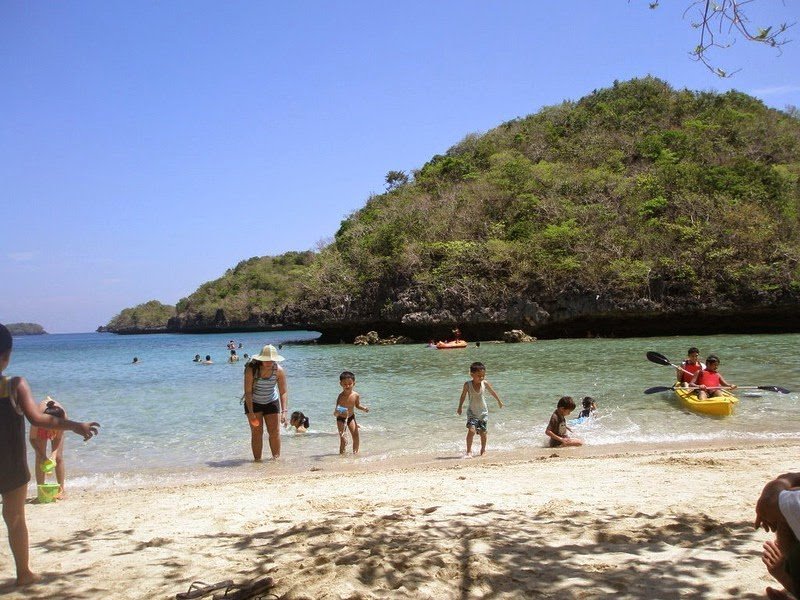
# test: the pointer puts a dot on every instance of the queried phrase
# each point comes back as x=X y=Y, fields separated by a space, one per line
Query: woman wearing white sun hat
x=266 y=399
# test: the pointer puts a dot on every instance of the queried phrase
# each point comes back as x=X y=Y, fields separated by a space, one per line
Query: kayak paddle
x=660 y=359
x=658 y=389
x=767 y=388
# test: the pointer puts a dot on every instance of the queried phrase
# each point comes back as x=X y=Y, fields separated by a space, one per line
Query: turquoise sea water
x=169 y=419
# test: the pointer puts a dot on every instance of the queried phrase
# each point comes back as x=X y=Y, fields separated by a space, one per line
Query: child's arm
x=725 y=383
x=358 y=404
x=552 y=434
x=31 y=411
x=493 y=393
x=57 y=445
x=695 y=377
x=336 y=406
x=461 y=400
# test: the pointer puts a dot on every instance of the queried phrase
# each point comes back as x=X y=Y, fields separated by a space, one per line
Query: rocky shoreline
x=531 y=320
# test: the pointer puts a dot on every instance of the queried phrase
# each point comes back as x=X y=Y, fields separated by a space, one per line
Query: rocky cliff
x=636 y=210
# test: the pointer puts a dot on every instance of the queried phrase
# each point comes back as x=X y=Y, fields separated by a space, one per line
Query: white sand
x=656 y=524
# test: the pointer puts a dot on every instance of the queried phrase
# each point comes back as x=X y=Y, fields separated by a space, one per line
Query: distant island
x=637 y=210
x=25 y=329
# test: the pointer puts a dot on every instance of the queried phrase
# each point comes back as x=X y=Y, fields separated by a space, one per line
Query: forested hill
x=637 y=209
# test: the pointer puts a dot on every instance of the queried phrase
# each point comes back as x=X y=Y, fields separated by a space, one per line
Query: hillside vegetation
x=152 y=315
x=636 y=198
x=253 y=288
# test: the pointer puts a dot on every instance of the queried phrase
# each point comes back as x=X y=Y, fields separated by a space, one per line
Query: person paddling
x=709 y=380
x=692 y=364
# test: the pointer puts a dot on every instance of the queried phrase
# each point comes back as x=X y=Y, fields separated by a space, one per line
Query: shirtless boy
x=344 y=411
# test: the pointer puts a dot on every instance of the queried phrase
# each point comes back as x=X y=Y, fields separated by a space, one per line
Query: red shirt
x=692 y=368
x=708 y=379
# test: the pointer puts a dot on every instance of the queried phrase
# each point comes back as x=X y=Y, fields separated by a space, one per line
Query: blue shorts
x=477 y=423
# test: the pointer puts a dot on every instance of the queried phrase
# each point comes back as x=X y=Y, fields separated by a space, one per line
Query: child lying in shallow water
x=299 y=421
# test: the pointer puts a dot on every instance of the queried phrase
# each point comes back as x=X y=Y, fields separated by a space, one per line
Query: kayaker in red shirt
x=691 y=364
x=709 y=382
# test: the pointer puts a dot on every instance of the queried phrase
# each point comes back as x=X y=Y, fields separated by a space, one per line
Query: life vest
x=687 y=377
x=708 y=379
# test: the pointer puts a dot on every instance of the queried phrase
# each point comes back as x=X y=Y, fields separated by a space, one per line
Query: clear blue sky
x=146 y=147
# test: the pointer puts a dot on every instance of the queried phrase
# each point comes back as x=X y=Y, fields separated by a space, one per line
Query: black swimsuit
x=346 y=421
x=13 y=451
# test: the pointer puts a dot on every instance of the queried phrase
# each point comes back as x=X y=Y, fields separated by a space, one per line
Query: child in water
x=557 y=429
x=344 y=411
x=299 y=421
x=39 y=436
x=589 y=406
x=477 y=411
x=16 y=405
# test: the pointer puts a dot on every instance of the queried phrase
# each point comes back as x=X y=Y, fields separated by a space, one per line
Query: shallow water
x=168 y=418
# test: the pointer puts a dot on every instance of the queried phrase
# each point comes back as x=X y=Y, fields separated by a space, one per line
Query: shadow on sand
x=486 y=552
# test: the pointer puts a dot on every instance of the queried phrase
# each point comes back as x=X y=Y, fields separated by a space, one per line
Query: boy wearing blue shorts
x=477 y=411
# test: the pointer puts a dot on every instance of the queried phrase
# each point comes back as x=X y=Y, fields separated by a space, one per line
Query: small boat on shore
x=451 y=345
x=719 y=406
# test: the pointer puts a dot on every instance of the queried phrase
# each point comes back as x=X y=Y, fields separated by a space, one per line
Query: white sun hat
x=268 y=353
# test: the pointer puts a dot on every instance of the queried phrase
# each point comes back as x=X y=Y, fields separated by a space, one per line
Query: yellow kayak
x=720 y=406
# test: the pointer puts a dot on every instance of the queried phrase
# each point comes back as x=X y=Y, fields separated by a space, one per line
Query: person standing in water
x=347 y=402
x=477 y=411
x=266 y=400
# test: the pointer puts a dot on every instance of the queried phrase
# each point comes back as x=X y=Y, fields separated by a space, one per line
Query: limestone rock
x=515 y=336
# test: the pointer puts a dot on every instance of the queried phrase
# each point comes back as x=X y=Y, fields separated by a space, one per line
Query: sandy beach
x=665 y=523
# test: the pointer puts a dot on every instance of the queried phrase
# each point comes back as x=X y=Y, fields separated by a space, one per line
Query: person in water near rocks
x=691 y=364
x=16 y=405
x=477 y=410
x=709 y=381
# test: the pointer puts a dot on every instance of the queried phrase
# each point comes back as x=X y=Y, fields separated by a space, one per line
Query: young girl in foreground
x=17 y=404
